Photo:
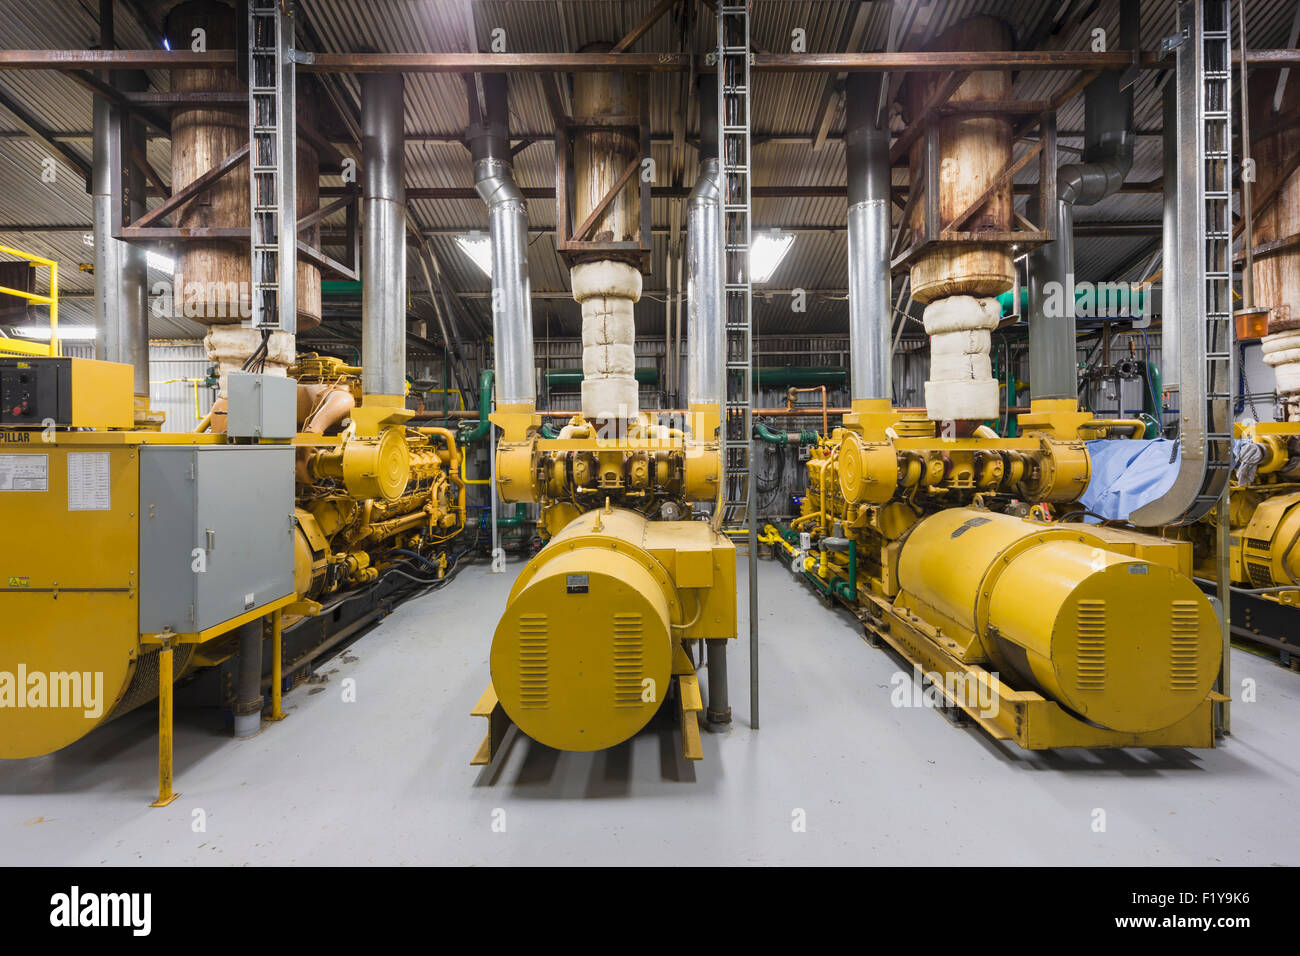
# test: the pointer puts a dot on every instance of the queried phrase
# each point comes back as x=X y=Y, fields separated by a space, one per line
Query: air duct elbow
x=512 y=313
x=1086 y=184
x=495 y=184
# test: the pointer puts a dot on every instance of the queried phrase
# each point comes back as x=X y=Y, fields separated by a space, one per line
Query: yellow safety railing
x=11 y=346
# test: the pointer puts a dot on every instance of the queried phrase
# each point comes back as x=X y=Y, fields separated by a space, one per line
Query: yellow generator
x=599 y=623
x=139 y=557
x=1050 y=633
x=616 y=612
x=1263 y=543
x=613 y=616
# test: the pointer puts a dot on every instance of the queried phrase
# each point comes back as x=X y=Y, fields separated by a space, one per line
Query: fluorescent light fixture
x=69 y=333
x=478 y=246
x=766 y=253
x=160 y=262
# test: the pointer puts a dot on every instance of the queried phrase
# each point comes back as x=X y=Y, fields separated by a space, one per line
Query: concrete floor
x=387 y=780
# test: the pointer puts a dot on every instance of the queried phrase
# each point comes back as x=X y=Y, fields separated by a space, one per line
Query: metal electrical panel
x=261 y=406
x=216 y=533
x=66 y=392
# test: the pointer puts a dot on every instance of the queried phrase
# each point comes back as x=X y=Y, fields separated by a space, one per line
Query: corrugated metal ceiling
x=785 y=105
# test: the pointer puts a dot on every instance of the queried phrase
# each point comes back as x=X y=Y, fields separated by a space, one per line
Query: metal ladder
x=273 y=193
x=733 y=114
x=739 y=512
x=1214 y=122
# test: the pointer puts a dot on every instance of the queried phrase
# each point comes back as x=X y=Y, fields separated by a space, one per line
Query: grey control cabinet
x=216 y=533
x=261 y=406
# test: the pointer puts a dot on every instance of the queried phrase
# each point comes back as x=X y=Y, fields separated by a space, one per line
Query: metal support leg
x=277 y=666
x=1223 y=722
x=248 y=693
x=165 y=741
x=719 y=710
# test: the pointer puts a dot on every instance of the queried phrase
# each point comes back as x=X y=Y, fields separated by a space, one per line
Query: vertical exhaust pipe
x=870 y=312
x=121 y=278
x=512 y=310
x=1109 y=136
x=383 y=248
x=706 y=348
x=1170 y=332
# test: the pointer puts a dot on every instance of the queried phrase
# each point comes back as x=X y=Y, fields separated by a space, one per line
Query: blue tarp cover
x=1126 y=474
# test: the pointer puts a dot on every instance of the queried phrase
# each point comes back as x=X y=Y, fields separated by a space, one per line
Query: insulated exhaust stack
x=607 y=284
x=957 y=280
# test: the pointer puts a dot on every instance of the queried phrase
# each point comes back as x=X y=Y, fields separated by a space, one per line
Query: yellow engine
x=362 y=491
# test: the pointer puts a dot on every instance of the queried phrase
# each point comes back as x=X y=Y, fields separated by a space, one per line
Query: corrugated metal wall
x=172 y=368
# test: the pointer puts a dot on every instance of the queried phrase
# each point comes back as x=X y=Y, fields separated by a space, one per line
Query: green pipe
x=573 y=376
x=805 y=437
x=1151 y=403
x=479 y=431
x=520 y=516
x=788 y=375
x=1006 y=299
x=341 y=288
x=853 y=569
x=549 y=432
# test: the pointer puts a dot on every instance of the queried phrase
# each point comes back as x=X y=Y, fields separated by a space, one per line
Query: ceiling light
x=766 y=253
x=68 y=333
x=478 y=246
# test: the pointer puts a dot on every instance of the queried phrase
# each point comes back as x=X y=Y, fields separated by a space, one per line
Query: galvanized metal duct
x=870 y=314
x=121 y=269
x=1198 y=356
x=704 y=262
x=383 y=248
x=512 y=309
x=1052 y=362
x=1170 y=333
x=1109 y=136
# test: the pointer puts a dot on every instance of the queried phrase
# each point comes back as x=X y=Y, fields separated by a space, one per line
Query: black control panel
x=35 y=389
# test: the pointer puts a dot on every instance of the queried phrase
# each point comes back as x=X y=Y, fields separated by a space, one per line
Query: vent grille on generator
x=1184 y=636
x=1261 y=575
x=1090 y=621
x=534 y=662
x=629 y=660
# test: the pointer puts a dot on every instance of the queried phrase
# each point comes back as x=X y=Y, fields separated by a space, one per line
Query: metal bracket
x=1171 y=43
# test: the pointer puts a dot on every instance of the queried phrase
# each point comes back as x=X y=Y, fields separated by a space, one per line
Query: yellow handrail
x=15 y=346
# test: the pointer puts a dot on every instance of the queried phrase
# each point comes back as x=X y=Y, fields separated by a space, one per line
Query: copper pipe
x=790 y=406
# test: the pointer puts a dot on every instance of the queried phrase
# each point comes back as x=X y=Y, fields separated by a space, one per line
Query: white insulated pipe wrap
x=231 y=345
x=608 y=291
x=1282 y=352
x=961 y=386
